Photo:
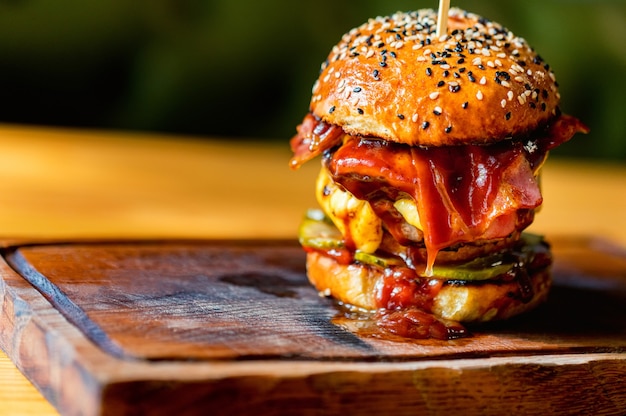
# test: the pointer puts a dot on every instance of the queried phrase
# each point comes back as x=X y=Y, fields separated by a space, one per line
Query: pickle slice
x=377 y=260
x=465 y=272
x=317 y=231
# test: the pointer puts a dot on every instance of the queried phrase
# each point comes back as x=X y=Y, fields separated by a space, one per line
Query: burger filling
x=437 y=215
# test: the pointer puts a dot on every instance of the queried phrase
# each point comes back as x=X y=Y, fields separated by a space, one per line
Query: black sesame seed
x=425 y=125
x=460 y=61
x=481 y=66
x=441 y=83
x=502 y=75
x=543 y=106
x=359 y=110
x=456 y=75
x=331 y=109
x=429 y=71
x=436 y=112
x=470 y=76
x=533 y=105
x=383 y=64
x=448 y=129
x=446 y=73
x=544 y=94
x=454 y=88
x=357 y=89
x=401 y=116
x=508 y=115
x=461 y=70
x=393 y=54
x=465 y=104
x=376 y=73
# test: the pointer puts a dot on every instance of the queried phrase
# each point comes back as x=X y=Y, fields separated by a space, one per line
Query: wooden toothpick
x=442 y=18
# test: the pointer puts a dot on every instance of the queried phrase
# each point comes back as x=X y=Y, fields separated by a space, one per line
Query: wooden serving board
x=233 y=327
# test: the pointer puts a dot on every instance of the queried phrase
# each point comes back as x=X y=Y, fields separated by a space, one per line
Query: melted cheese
x=408 y=209
x=353 y=217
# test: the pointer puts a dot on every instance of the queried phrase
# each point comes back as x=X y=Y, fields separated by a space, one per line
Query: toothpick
x=442 y=18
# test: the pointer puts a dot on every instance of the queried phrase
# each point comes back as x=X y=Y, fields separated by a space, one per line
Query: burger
x=431 y=149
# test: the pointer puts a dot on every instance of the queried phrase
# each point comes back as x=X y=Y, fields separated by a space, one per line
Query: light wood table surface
x=66 y=184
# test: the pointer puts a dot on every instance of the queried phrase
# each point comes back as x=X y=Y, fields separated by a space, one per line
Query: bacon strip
x=313 y=138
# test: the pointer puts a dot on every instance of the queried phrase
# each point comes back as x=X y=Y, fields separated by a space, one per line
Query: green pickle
x=317 y=231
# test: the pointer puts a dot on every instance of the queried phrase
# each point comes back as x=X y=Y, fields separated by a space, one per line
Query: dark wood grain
x=192 y=326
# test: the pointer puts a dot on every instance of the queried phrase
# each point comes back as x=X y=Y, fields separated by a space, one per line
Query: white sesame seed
x=510 y=95
x=399 y=44
x=534 y=95
x=498 y=62
x=477 y=61
x=521 y=99
x=437 y=110
x=482 y=81
x=414 y=118
x=502 y=55
x=417 y=46
x=505 y=84
x=503 y=103
x=337 y=74
x=434 y=95
x=444 y=66
x=527 y=93
x=479 y=95
x=490 y=64
x=485 y=52
x=519 y=79
x=326 y=78
x=421 y=59
x=369 y=53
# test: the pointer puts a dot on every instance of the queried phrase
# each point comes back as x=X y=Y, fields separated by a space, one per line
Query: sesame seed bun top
x=393 y=78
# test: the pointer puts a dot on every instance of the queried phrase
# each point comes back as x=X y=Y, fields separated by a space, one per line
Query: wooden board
x=233 y=327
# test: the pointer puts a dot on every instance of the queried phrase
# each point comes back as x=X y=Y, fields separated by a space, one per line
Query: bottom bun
x=356 y=284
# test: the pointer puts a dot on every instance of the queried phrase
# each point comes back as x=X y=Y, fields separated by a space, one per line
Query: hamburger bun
x=391 y=78
x=358 y=284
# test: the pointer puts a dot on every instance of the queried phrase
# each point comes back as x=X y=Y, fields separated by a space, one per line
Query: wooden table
x=66 y=184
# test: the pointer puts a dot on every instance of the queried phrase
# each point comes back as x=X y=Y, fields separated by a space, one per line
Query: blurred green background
x=244 y=68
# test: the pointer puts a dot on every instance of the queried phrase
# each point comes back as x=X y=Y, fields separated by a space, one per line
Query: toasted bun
x=392 y=78
x=355 y=284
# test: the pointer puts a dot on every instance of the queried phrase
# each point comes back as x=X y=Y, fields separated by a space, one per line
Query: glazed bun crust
x=392 y=78
x=355 y=284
